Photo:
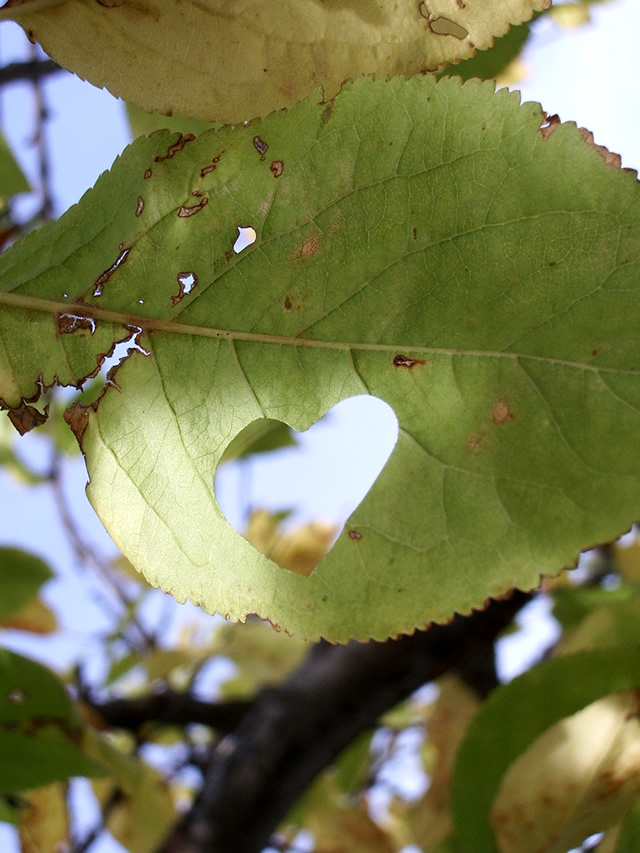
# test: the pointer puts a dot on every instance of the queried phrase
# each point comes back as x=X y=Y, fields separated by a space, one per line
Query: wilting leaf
x=435 y=245
x=579 y=777
x=230 y=62
x=511 y=720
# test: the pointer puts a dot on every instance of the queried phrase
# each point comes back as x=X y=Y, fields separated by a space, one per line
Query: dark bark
x=292 y=732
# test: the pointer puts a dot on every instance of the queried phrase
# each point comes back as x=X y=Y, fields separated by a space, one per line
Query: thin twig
x=87 y=554
x=30 y=70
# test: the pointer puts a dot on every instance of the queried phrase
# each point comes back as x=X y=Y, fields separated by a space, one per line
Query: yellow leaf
x=627 y=561
x=44 y=824
x=301 y=550
x=217 y=60
x=580 y=777
x=341 y=830
x=429 y=819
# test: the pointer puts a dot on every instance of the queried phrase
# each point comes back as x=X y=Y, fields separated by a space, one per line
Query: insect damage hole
x=290 y=493
x=246 y=236
x=187 y=282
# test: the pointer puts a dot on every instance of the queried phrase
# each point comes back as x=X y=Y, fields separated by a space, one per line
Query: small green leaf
x=630 y=832
x=40 y=728
x=21 y=576
x=514 y=716
x=12 y=179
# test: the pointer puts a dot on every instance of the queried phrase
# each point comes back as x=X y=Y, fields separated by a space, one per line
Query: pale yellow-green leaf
x=263 y=656
x=429 y=819
x=224 y=61
x=579 y=777
x=346 y=830
x=44 y=824
x=142 y=813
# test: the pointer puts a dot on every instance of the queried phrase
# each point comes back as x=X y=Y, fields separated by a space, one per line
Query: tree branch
x=294 y=731
x=169 y=707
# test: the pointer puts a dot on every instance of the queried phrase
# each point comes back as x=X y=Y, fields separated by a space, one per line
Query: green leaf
x=430 y=244
x=40 y=728
x=21 y=576
x=630 y=832
x=12 y=179
x=489 y=64
x=261 y=436
x=514 y=716
x=230 y=62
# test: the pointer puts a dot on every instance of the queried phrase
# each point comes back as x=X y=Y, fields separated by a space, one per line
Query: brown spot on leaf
x=25 y=417
x=260 y=145
x=148 y=174
x=447 y=27
x=355 y=535
x=415 y=233
x=596 y=351
x=228 y=256
x=405 y=361
x=476 y=442
x=308 y=248
x=277 y=168
x=287 y=304
x=172 y=150
x=184 y=211
x=212 y=166
x=103 y=278
x=501 y=413
x=548 y=125
x=70 y=323
x=140 y=206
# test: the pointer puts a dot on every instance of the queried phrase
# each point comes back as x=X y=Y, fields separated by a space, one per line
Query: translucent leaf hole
x=246 y=236
x=290 y=493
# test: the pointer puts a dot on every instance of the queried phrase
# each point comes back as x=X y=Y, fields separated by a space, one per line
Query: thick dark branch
x=31 y=70
x=294 y=731
x=169 y=708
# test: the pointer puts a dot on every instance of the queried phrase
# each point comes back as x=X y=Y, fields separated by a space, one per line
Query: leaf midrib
x=149 y=324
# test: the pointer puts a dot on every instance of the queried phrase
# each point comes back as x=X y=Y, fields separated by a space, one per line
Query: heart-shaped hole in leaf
x=290 y=493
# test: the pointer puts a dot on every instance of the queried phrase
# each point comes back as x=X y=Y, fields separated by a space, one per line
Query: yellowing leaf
x=33 y=616
x=344 y=830
x=580 y=777
x=44 y=823
x=299 y=550
x=430 y=818
x=141 y=809
x=231 y=61
x=627 y=560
